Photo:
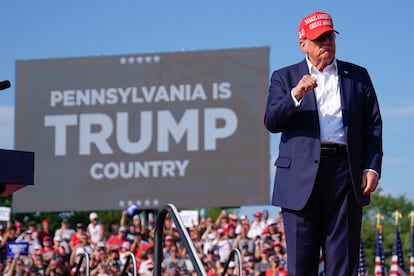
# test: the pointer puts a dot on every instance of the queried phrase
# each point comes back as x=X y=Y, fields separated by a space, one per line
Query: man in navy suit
x=330 y=151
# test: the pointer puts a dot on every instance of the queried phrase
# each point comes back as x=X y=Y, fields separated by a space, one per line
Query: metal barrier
x=130 y=257
x=182 y=231
x=84 y=255
x=234 y=253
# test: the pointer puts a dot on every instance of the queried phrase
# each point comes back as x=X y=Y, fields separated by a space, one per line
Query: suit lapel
x=345 y=83
x=309 y=101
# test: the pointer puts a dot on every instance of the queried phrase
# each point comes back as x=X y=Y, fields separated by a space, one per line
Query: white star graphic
x=131 y=60
x=140 y=59
x=156 y=59
x=122 y=60
x=148 y=59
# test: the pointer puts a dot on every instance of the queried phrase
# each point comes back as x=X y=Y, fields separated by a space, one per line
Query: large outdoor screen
x=184 y=128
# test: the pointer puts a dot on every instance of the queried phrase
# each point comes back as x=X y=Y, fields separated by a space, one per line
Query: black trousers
x=331 y=221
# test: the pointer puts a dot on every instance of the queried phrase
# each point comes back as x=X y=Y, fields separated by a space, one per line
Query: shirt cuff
x=374 y=171
x=297 y=103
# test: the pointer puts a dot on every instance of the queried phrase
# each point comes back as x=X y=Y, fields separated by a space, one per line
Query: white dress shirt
x=328 y=100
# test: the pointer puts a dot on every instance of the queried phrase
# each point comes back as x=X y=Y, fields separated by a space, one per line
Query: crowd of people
x=55 y=252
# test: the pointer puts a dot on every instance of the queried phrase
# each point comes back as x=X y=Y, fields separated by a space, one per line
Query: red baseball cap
x=257 y=214
x=315 y=24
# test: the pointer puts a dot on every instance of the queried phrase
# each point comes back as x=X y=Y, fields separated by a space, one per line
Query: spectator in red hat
x=231 y=234
x=263 y=264
x=47 y=250
x=280 y=252
x=265 y=239
x=146 y=268
x=222 y=245
x=257 y=226
x=169 y=242
x=19 y=228
x=124 y=252
x=45 y=231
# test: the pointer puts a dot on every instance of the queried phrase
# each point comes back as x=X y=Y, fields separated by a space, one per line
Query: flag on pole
x=412 y=252
x=362 y=266
x=321 y=271
x=397 y=260
x=379 y=255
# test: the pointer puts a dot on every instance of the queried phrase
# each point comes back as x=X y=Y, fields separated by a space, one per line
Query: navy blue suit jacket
x=300 y=145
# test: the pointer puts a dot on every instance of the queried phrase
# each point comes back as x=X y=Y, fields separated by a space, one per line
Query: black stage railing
x=83 y=256
x=159 y=228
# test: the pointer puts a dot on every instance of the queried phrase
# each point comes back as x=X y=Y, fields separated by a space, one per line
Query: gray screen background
x=235 y=173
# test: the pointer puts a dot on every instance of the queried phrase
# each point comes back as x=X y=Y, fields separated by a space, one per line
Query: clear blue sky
x=374 y=34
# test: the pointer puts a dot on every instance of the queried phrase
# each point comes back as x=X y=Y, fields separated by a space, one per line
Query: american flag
x=321 y=271
x=397 y=260
x=379 y=255
x=362 y=266
x=412 y=252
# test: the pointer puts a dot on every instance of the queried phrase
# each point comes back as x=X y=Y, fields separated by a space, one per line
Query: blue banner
x=14 y=248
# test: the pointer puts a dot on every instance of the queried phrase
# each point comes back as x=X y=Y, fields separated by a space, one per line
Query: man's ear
x=302 y=44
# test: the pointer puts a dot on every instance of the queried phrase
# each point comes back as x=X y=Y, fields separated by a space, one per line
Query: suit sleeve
x=280 y=105
x=373 y=130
